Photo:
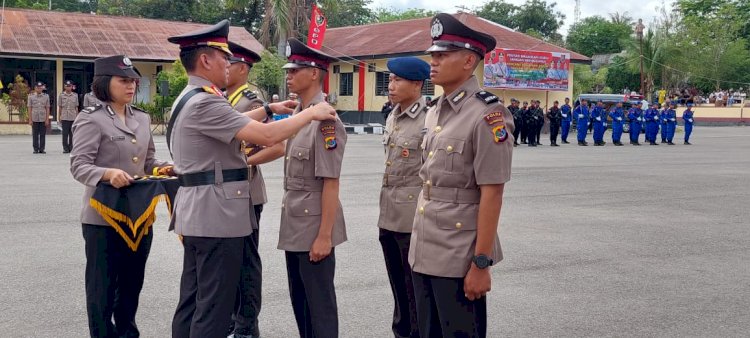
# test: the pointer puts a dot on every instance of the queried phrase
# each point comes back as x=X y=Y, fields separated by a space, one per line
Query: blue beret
x=410 y=68
x=690 y=104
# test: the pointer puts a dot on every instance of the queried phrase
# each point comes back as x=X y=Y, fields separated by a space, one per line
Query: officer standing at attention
x=67 y=110
x=687 y=116
x=90 y=100
x=652 y=124
x=312 y=220
x=539 y=118
x=599 y=117
x=212 y=208
x=523 y=128
x=671 y=117
x=517 y=119
x=468 y=150
x=635 y=117
x=402 y=184
x=663 y=116
x=582 y=121
x=617 y=116
x=555 y=116
x=38 y=108
x=567 y=118
x=249 y=289
x=530 y=124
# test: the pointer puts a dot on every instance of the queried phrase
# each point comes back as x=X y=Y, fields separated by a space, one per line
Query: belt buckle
x=426 y=188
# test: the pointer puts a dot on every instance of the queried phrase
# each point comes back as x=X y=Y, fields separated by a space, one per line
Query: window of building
x=381 y=83
x=371 y=68
x=428 y=89
x=346 y=84
x=336 y=69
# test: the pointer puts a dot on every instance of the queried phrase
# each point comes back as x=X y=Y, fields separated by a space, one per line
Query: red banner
x=317 y=30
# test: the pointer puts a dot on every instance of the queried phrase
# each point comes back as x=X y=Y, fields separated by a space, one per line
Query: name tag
x=117 y=138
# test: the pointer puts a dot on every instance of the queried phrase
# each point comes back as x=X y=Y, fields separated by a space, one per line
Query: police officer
x=529 y=124
x=599 y=117
x=38 y=108
x=663 y=116
x=635 y=118
x=687 y=117
x=212 y=208
x=402 y=185
x=567 y=118
x=539 y=118
x=249 y=289
x=617 y=115
x=312 y=220
x=581 y=114
x=67 y=104
x=467 y=161
x=517 y=119
x=524 y=111
x=113 y=144
x=671 y=117
x=652 y=124
x=555 y=116
x=90 y=100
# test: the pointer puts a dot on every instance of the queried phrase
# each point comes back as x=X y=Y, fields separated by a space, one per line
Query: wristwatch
x=269 y=112
x=482 y=261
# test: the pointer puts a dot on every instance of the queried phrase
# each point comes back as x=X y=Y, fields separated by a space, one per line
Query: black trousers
x=517 y=131
x=396 y=253
x=444 y=311
x=313 y=294
x=554 y=129
x=538 y=132
x=530 y=130
x=114 y=279
x=39 y=135
x=248 y=300
x=210 y=273
x=67 y=135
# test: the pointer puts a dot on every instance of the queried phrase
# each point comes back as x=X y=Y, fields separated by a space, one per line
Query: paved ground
x=599 y=241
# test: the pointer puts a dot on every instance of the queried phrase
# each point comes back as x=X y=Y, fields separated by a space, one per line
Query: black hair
x=189 y=57
x=100 y=87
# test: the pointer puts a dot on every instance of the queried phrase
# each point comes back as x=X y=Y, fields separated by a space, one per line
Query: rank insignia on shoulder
x=500 y=133
x=459 y=96
x=89 y=110
x=213 y=90
x=424 y=131
x=328 y=132
x=249 y=94
x=487 y=97
x=494 y=117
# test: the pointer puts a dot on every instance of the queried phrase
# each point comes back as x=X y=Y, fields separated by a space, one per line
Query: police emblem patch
x=126 y=61
x=500 y=133
x=437 y=29
x=328 y=132
x=494 y=117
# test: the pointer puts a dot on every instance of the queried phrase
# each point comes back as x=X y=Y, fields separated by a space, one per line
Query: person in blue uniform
x=617 y=116
x=567 y=118
x=663 y=122
x=599 y=117
x=635 y=117
x=582 y=121
x=652 y=124
x=671 y=117
x=687 y=116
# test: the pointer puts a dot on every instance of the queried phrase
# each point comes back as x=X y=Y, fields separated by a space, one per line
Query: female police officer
x=113 y=144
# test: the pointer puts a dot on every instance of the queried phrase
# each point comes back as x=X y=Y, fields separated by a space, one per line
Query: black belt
x=209 y=177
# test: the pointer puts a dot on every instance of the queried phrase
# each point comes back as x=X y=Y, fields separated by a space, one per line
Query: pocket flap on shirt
x=300 y=153
x=309 y=207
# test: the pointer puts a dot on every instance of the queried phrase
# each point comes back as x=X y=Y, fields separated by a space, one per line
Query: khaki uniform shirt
x=246 y=101
x=203 y=139
x=103 y=141
x=90 y=100
x=39 y=104
x=404 y=131
x=468 y=143
x=69 y=105
x=313 y=154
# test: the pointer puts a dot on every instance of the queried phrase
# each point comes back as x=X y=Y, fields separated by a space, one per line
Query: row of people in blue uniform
x=652 y=121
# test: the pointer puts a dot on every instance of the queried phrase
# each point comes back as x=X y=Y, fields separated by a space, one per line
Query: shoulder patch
x=494 y=117
x=328 y=132
x=496 y=121
x=134 y=108
x=249 y=94
x=487 y=97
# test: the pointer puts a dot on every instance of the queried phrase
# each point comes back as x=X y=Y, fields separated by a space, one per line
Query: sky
x=644 y=9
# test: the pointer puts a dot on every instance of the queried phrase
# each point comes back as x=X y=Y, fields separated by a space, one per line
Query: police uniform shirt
x=314 y=153
x=90 y=100
x=245 y=100
x=469 y=143
x=38 y=103
x=104 y=141
x=69 y=105
x=404 y=132
x=203 y=139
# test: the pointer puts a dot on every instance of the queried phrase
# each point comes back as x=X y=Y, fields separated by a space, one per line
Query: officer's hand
x=283 y=108
x=477 y=283
x=46 y=123
x=166 y=170
x=321 y=248
x=323 y=111
x=118 y=178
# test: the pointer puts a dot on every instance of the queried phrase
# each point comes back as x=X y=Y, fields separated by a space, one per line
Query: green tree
x=620 y=76
x=19 y=93
x=540 y=16
x=344 y=13
x=587 y=82
x=177 y=78
x=384 y=14
x=597 y=35
x=267 y=74
x=498 y=11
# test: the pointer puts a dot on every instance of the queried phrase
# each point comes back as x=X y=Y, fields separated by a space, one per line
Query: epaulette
x=487 y=97
x=212 y=90
x=247 y=93
x=138 y=109
x=89 y=110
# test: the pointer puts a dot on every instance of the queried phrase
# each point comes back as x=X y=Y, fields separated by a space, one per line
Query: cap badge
x=288 y=50
x=437 y=29
x=126 y=61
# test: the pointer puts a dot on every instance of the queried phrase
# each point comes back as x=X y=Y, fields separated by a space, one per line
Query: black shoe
x=565 y=142
x=619 y=144
x=523 y=142
x=687 y=143
x=554 y=145
x=654 y=144
x=36 y=151
x=636 y=144
x=42 y=152
x=670 y=143
x=532 y=144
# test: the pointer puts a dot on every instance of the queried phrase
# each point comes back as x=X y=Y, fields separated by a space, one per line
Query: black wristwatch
x=482 y=261
x=269 y=112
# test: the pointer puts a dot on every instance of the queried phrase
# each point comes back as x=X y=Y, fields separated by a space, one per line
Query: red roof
x=81 y=35
x=413 y=36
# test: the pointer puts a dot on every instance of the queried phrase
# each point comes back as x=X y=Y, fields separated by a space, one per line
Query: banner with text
x=525 y=69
